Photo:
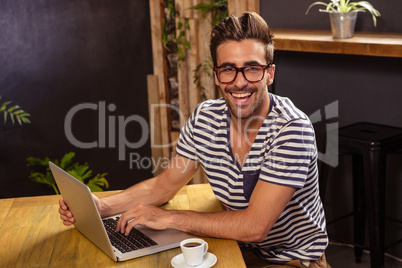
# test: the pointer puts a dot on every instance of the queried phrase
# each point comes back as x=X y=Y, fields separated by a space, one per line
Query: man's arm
x=253 y=224
x=154 y=191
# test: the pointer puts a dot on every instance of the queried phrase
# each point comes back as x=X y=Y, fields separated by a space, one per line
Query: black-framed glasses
x=252 y=73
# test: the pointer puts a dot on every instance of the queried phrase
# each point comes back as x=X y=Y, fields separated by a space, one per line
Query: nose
x=240 y=80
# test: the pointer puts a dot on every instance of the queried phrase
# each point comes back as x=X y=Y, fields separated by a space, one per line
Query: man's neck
x=244 y=131
x=254 y=122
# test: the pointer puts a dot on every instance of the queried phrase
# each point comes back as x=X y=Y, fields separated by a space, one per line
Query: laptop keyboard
x=134 y=241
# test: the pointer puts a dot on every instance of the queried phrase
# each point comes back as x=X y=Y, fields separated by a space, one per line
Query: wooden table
x=32 y=235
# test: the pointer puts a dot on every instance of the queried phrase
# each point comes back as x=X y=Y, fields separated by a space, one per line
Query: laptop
x=141 y=241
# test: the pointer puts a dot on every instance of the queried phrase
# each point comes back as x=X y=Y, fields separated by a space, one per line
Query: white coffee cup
x=193 y=250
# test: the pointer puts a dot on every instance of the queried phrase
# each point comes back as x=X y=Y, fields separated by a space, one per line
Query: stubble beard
x=237 y=112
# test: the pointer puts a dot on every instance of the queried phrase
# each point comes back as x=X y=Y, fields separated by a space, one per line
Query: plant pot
x=343 y=24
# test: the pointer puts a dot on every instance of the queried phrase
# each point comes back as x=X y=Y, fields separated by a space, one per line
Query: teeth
x=241 y=95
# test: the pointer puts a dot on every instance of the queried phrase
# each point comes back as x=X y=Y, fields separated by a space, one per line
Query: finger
x=66 y=221
x=130 y=225
x=66 y=213
x=121 y=224
x=62 y=204
x=62 y=211
x=63 y=217
x=125 y=224
x=66 y=216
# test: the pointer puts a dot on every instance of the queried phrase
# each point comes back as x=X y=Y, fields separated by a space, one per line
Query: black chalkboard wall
x=291 y=14
x=55 y=55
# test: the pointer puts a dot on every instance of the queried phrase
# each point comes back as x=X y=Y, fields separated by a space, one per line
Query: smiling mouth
x=243 y=96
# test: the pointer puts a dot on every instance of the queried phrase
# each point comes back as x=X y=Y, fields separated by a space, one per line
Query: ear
x=271 y=74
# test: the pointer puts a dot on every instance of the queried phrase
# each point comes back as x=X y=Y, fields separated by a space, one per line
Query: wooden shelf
x=368 y=44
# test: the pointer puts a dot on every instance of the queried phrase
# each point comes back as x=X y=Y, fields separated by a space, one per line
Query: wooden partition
x=237 y=7
x=197 y=34
x=157 y=86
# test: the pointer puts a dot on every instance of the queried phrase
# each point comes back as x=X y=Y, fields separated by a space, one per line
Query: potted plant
x=79 y=171
x=343 y=13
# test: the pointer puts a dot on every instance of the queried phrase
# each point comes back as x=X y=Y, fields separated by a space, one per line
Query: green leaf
x=187 y=45
x=25 y=120
x=83 y=171
x=80 y=172
x=12 y=117
x=34 y=161
x=94 y=187
x=37 y=161
x=317 y=3
x=4 y=106
x=12 y=108
x=14 y=112
x=96 y=183
x=39 y=177
x=66 y=160
x=172 y=10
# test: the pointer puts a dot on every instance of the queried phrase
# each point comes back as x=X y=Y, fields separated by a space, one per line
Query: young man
x=258 y=152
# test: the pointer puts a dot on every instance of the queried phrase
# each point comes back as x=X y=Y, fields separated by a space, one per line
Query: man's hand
x=148 y=215
x=65 y=214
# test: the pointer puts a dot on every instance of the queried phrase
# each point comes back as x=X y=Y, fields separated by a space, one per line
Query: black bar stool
x=369 y=144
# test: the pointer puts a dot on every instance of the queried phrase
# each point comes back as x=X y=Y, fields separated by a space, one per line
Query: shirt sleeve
x=289 y=159
x=185 y=146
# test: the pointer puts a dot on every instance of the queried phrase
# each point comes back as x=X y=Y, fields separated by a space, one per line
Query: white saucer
x=209 y=261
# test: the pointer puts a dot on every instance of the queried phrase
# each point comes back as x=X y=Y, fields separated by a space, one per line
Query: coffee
x=192 y=244
x=194 y=250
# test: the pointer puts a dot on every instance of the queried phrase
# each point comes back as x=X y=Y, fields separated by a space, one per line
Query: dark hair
x=249 y=26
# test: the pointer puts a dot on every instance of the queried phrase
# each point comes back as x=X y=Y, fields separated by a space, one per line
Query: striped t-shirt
x=284 y=152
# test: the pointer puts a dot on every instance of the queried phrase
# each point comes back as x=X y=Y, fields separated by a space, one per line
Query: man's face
x=245 y=99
